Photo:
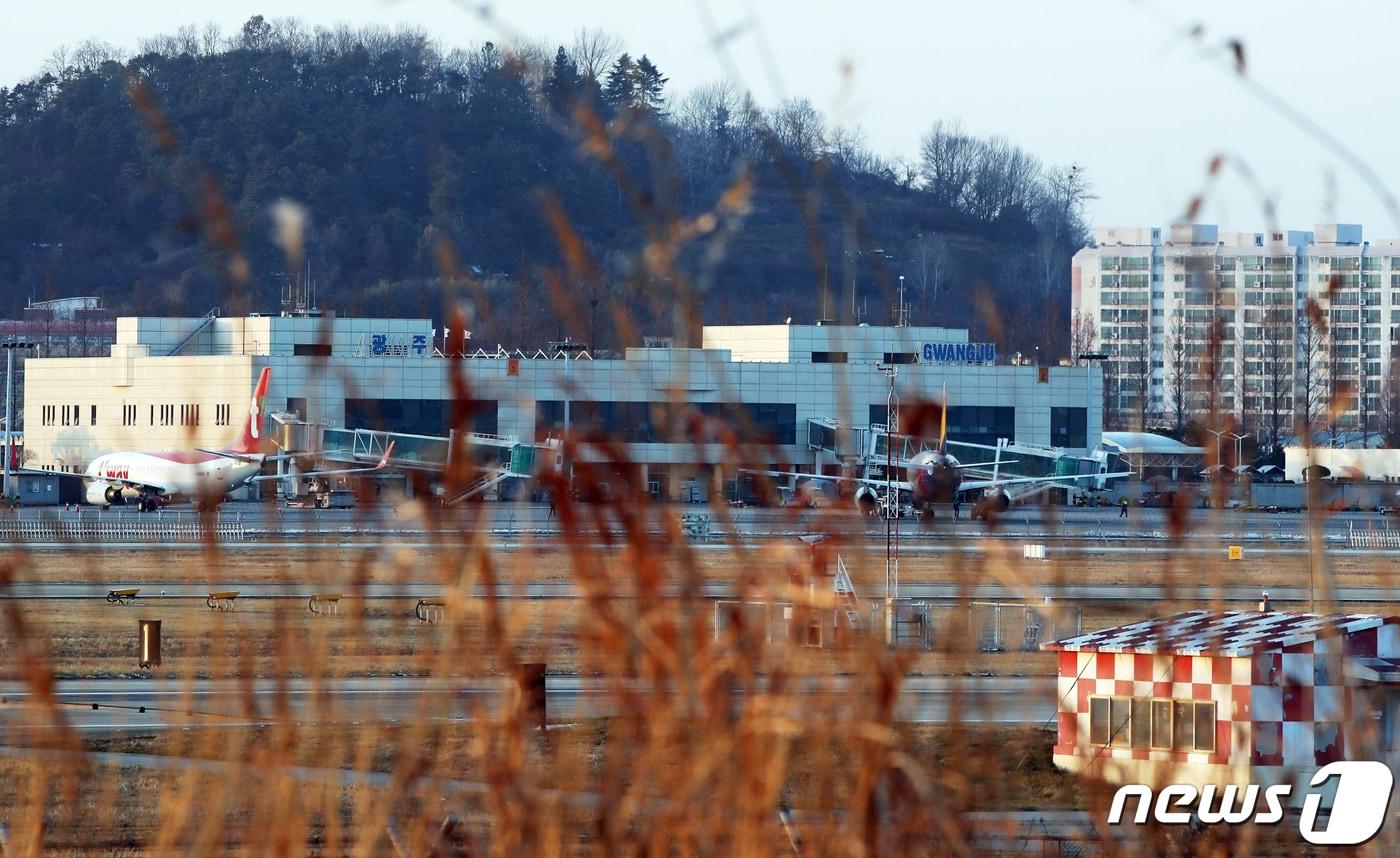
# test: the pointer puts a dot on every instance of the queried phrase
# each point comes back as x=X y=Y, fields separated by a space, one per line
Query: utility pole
x=9 y=348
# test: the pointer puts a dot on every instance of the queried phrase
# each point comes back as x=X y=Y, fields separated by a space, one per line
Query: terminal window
x=418 y=416
x=633 y=422
x=829 y=357
x=1069 y=427
x=659 y=422
x=981 y=424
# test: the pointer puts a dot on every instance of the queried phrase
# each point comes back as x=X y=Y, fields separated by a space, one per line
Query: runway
x=157 y=594
x=129 y=706
x=264 y=521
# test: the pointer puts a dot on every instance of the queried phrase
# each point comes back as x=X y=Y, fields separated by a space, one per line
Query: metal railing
x=204 y=321
x=124 y=526
x=1385 y=537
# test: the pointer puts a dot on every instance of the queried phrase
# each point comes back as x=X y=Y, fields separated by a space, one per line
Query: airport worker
x=1123 y=507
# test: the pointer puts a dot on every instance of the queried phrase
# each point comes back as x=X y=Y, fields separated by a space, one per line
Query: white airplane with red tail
x=154 y=478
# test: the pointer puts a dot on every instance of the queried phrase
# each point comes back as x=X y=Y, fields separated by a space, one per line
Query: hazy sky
x=1116 y=86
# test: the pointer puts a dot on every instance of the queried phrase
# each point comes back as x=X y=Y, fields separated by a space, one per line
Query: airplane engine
x=103 y=494
x=993 y=503
x=867 y=501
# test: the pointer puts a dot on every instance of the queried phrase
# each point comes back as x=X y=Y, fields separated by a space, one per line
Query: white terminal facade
x=1148 y=298
x=162 y=388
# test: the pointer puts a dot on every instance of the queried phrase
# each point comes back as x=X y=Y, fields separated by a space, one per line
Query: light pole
x=569 y=349
x=891 y=371
x=1221 y=435
x=1089 y=358
x=9 y=348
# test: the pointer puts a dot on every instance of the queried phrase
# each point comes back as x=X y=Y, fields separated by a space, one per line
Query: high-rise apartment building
x=1267 y=326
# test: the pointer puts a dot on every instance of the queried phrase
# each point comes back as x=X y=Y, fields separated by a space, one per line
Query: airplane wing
x=166 y=489
x=962 y=466
x=228 y=454
x=252 y=457
x=383 y=461
x=973 y=485
x=902 y=485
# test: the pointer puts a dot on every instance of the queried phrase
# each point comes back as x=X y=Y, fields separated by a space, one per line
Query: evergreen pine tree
x=650 y=85
x=620 y=91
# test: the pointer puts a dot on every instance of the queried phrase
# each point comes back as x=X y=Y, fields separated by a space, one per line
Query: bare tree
x=60 y=59
x=1003 y=176
x=1276 y=349
x=799 y=128
x=903 y=172
x=947 y=160
x=1114 y=416
x=1137 y=372
x=1177 y=366
x=936 y=263
x=187 y=39
x=1058 y=213
x=210 y=38
x=90 y=54
x=290 y=35
x=593 y=52
x=850 y=150
x=1083 y=335
x=710 y=125
x=534 y=58
x=164 y=44
x=1390 y=401
x=1313 y=377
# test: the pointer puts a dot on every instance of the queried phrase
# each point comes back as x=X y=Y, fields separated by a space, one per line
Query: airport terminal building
x=172 y=383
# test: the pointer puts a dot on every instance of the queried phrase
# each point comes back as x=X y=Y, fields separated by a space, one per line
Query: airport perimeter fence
x=157 y=527
x=1003 y=627
x=912 y=626
x=995 y=626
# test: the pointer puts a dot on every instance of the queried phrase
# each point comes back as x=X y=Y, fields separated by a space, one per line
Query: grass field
x=684 y=773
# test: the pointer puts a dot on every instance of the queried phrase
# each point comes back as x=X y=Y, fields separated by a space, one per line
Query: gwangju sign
x=959 y=353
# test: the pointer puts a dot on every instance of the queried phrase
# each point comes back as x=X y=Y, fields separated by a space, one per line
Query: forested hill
x=555 y=191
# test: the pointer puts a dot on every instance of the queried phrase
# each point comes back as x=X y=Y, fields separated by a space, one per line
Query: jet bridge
x=861 y=447
x=497 y=457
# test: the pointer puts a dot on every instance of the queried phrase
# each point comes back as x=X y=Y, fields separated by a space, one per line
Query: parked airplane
x=152 y=479
x=936 y=476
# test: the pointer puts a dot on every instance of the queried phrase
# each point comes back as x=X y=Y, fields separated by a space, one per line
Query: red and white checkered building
x=1236 y=697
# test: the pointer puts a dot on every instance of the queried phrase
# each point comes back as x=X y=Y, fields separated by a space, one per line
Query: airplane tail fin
x=249 y=439
x=943 y=423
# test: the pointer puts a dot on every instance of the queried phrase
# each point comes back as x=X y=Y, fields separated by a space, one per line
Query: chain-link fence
x=1002 y=626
